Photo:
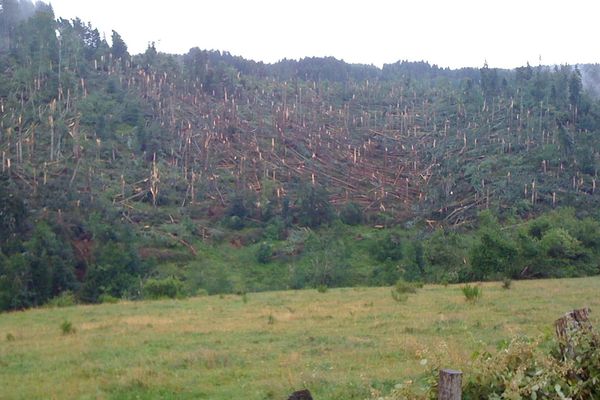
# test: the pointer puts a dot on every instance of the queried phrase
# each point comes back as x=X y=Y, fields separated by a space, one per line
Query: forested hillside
x=119 y=169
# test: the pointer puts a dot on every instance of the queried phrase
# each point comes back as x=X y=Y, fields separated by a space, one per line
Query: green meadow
x=352 y=343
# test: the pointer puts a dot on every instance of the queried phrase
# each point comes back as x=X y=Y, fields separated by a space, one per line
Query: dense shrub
x=445 y=253
x=264 y=253
x=65 y=299
x=312 y=207
x=162 y=288
x=523 y=370
x=107 y=299
x=67 y=328
x=472 y=293
x=351 y=214
x=389 y=247
x=402 y=289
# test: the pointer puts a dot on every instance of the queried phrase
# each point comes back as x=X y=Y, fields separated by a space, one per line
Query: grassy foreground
x=342 y=344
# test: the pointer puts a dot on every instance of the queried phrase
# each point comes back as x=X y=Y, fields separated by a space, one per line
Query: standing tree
x=575 y=87
x=119 y=48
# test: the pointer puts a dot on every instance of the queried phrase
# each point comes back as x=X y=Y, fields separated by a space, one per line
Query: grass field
x=341 y=344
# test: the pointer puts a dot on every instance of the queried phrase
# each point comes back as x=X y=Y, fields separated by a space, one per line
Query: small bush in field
x=506 y=283
x=322 y=288
x=402 y=289
x=67 y=328
x=10 y=337
x=472 y=293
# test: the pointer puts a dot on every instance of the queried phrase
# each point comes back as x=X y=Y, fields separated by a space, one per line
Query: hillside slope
x=137 y=160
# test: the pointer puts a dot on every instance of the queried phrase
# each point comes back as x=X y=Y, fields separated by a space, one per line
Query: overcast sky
x=454 y=33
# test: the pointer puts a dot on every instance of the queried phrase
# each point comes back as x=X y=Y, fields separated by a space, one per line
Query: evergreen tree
x=575 y=87
x=119 y=48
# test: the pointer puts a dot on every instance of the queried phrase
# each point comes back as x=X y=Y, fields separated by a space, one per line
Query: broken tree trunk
x=568 y=326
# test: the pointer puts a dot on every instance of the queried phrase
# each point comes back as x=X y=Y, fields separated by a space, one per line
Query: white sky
x=454 y=33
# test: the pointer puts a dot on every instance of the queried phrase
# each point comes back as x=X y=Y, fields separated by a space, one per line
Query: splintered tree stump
x=301 y=395
x=570 y=324
x=449 y=385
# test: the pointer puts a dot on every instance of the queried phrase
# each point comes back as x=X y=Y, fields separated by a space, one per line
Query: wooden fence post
x=449 y=385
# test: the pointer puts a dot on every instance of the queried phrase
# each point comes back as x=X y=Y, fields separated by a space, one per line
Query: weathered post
x=449 y=385
x=569 y=325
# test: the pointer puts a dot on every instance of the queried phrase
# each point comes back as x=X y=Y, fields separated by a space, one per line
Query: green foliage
x=558 y=244
x=171 y=288
x=119 y=48
x=275 y=229
x=67 y=328
x=312 y=206
x=388 y=247
x=446 y=253
x=385 y=274
x=264 y=253
x=12 y=210
x=494 y=255
x=351 y=214
x=210 y=277
x=506 y=283
x=327 y=255
x=472 y=293
x=402 y=289
x=115 y=266
x=42 y=270
x=322 y=288
x=107 y=299
x=65 y=299
x=523 y=370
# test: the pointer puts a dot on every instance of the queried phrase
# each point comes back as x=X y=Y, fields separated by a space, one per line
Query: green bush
x=107 y=299
x=67 y=328
x=163 y=288
x=506 y=283
x=524 y=371
x=389 y=247
x=65 y=299
x=496 y=253
x=264 y=253
x=351 y=214
x=472 y=293
x=402 y=289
